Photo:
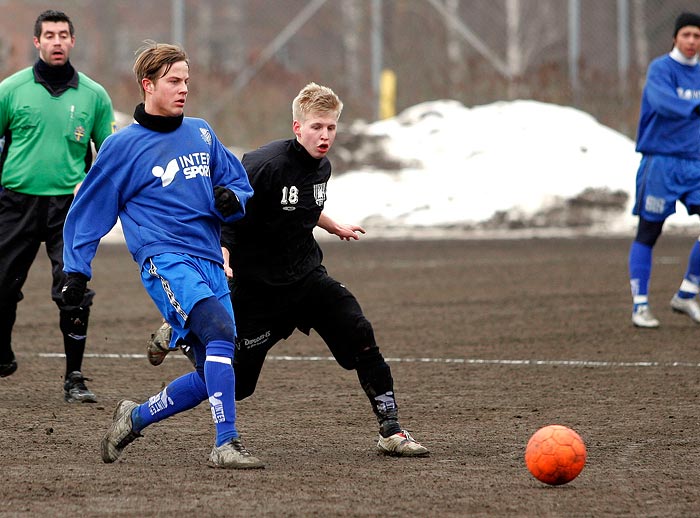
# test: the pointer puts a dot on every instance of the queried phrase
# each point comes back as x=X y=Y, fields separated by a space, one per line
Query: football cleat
x=688 y=306
x=642 y=317
x=233 y=455
x=401 y=444
x=75 y=390
x=7 y=369
x=121 y=433
x=158 y=346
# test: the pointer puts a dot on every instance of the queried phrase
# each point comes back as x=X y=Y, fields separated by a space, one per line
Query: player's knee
x=369 y=356
x=648 y=231
x=210 y=321
x=361 y=346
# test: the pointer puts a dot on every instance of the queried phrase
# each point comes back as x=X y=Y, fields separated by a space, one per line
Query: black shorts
x=25 y=222
x=267 y=314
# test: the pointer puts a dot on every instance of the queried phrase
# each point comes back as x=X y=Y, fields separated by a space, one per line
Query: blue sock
x=689 y=287
x=640 y=272
x=181 y=394
x=221 y=383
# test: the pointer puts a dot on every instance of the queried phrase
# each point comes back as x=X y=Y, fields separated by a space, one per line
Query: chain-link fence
x=250 y=57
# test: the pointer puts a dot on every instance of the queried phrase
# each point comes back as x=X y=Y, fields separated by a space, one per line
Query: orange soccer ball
x=555 y=454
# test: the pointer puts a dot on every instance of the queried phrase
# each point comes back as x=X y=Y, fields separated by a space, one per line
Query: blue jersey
x=160 y=186
x=668 y=124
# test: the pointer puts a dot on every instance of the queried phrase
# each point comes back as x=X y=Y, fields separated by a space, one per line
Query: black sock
x=74 y=328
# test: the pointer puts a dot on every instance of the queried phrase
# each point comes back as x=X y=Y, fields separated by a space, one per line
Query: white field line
x=466 y=361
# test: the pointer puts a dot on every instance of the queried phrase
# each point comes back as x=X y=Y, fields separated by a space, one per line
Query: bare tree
x=455 y=53
x=352 y=17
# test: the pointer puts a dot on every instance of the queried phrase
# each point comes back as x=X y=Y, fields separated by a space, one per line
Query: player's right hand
x=226 y=201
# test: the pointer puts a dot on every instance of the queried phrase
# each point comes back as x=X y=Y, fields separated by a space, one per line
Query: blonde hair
x=152 y=57
x=315 y=98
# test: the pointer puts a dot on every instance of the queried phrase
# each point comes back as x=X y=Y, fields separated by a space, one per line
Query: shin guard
x=74 y=324
x=221 y=383
x=375 y=378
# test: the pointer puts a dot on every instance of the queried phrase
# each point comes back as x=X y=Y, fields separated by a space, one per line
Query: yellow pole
x=387 y=94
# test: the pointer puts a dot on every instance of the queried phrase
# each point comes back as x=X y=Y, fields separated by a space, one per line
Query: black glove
x=226 y=201
x=74 y=289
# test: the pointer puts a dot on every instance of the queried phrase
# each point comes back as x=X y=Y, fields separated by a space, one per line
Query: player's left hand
x=227 y=267
x=226 y=201
x=347 y=232
x=74 y=289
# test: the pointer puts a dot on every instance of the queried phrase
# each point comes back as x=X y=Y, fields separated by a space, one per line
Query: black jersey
x=274 y=243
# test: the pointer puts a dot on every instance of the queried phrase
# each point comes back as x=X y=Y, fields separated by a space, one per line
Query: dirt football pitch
x=488 y=340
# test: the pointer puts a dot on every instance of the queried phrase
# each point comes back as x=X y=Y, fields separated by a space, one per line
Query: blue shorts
x=176 y=282
x=662 y=181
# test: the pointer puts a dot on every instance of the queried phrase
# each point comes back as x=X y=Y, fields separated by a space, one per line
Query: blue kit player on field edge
x=668 y=137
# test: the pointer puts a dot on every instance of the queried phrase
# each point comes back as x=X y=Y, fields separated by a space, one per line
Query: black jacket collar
x=158 y=123
x=55 y=79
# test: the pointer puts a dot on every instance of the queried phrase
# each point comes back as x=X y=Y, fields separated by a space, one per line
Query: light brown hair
x=152 y=57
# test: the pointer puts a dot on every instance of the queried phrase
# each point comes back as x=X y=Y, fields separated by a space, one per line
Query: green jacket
x=49 y=137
